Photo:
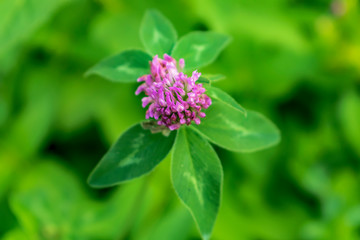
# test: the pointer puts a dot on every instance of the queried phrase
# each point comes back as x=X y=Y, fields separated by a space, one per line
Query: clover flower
x=175 y=99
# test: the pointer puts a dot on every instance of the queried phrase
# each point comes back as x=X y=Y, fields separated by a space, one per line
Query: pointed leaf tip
x=197 y=177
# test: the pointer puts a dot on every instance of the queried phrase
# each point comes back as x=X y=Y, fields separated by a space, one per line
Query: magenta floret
x=175 y=99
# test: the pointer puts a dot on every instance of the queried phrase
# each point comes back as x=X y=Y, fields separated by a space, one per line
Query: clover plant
x=185 y=113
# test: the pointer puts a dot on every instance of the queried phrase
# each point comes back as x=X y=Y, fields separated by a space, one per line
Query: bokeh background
x=296 y=61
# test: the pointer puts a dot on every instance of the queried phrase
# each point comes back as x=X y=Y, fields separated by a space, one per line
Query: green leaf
x=203 y=80
x=199 y=48
x=42 y=199
x=19 y=20
x=4 y=112
x=197 y=178
x=231 y=129
x=105 y=223
x=135 y=153
x=349 y=116
x=50 y=203
x=210 y=78
x=175 y=225
x=215 y=77
x=124 y=67
x=221 y=96
x=15 y=234
x=157 y=33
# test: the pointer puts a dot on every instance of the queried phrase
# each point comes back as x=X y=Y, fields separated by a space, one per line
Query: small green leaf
x=124 y=67
x=134 y=154
x=221 y=96
x=215 y=77
x=157 y=33
x=199 y=48
x=203 y=80
x=210 y=78
x=197 y=178
x=231 y=129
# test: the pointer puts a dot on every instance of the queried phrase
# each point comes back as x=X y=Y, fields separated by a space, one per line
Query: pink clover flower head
x=172 y=97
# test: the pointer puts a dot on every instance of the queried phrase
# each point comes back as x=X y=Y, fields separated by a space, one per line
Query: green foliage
x=15 y=234
x=172 y=226
x=221 y=96
x=296 y=62
x=124 y=67
x=197 y=172
x=235 y=131
x=210 y=78
x=18 y=20
x=157 y=33
x=215 y=77
x=349 y=114
x=136 y=152
x=50 y=204
x=197 y=176
x=199 y=49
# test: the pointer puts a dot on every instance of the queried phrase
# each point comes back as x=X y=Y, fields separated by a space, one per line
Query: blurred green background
x=296 y=61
